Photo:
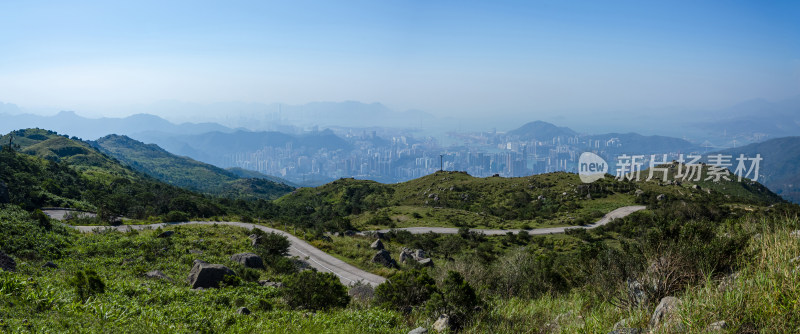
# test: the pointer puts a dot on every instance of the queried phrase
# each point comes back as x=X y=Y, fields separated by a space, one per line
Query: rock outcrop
x=248 y=260
x=207 y=275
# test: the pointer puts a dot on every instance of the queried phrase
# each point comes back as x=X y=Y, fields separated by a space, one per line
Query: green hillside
x=45 y=169
x=779 y=169
x=457 y=199
x=186 y=172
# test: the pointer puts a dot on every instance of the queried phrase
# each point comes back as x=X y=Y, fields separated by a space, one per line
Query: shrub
x=405 y=290
x=87 y=283
x=176 y=216
x=456 y=299
x=271 y=244
x=311 y=290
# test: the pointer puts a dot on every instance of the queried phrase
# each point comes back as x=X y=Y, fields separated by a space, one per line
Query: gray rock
x=50 y=265
x=419 y=330
x=7 y=263
x=636 y=292
x=195 y=251
x=254 y=240
x=206 y=275
x=166 y=234
x=426 y=262
x=665 y=313
x=717 y=326
x=157 y=274
x=4 y=196
x=638 y=192
x=628 y=331
x=349 y=233
x=243 y=310
x=660 y=197
x=442 y=323
x=377 y=245
x=249 y=260
x=266 y=283
x=382 y=257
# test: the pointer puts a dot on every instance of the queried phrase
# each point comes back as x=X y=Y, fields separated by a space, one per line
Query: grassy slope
x=762 y=298
x=42 y=298
x=186 y=172
x=456 y=199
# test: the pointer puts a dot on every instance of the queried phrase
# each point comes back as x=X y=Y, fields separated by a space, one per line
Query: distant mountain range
x=93 y=128
x=617 y=142
x=213 y=147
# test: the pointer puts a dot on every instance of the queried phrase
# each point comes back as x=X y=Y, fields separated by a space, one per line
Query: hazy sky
x=444 y=57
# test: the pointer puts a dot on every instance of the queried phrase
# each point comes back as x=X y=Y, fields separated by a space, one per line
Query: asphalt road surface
x=347 y=273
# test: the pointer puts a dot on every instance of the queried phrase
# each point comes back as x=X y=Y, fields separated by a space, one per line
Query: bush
x=456 y=299
x=405 y=290
x=176 y=216
x=311 y=290
x=87 y=283
x=271 y=244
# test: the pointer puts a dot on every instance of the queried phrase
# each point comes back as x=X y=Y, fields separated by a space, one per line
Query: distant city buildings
x=401 y=158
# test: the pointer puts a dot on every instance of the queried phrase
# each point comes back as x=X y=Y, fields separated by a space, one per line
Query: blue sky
x=446 y=57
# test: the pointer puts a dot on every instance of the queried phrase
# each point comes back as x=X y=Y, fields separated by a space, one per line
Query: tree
x=311 y=290
x=456 y=299
x=406 y=289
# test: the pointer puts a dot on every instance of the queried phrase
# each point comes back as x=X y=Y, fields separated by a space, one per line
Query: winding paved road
x=347 y=273
x=618 y=213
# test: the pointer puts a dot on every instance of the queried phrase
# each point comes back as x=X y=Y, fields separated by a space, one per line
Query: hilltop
x=456 y=199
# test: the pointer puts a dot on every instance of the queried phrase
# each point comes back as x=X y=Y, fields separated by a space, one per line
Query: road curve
x=347 y=273
x=618 y=213
x=318 y=259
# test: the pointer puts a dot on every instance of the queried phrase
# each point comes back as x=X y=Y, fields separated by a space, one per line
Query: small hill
x=458 y=199
x=779 y=169
x=251 y=174
x=186 y=172
x=47 y=169
x=539 y=130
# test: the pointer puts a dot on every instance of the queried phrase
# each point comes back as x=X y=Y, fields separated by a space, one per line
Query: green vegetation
x=65 y=172
x=456 y=199
x=727 y=250
x=185 y=172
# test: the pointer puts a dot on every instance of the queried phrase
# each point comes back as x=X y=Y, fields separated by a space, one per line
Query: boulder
x=638 y=192
x=166 y=234
x=426 y=262
x=243 y=310
x=157 y=274
x=7 y=263
x=349 y=233
x=717 y=326
x=249 y=260
x=418 y=255
x=382 y=257
x=206 y=275
x=195 y=251
x=660 y=197
x=50 y=265
x=377 y=245
x=4 y=196
x=266 y=283
x=442 y=323
x=665 y=314
x=419 y=330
